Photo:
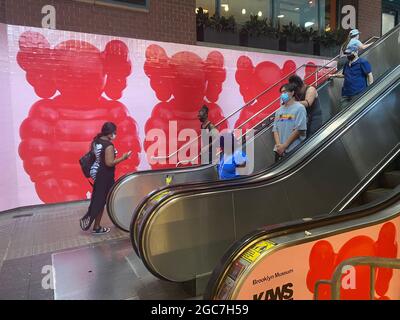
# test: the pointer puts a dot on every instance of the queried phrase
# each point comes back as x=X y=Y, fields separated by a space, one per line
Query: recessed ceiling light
x=259 y=13
x=243 y=11
x=297 y=9
x=225 y=6
x=281 y=16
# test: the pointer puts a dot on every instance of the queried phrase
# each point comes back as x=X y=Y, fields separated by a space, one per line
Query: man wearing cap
x=357 y=74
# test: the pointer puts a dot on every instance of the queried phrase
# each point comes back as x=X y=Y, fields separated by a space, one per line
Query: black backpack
x=86 y=162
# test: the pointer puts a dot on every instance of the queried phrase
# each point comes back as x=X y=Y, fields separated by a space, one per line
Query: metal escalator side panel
x=256 y=274
x=129 y=191
x=260 y=140
x=353 y=213
x=185 y=229
x=192 y=233
x=120 y=206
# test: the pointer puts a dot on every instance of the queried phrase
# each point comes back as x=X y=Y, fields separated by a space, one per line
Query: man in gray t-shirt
x=290 y=125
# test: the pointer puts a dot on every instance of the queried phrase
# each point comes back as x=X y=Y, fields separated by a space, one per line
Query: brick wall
x=166 y=20
x=370 y=18
x=2 y=10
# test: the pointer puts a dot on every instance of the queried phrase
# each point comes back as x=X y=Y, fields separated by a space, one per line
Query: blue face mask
x=285 y=98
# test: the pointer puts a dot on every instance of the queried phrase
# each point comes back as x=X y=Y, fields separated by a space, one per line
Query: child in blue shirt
x=231 y=158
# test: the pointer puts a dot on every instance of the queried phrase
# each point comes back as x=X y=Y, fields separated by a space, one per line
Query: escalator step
x=391 y=179
x=374 y=194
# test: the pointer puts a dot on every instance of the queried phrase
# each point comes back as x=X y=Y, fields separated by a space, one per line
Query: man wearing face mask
x=209 y=135
x=290 y=125
x=357 y=74
x=353 y=42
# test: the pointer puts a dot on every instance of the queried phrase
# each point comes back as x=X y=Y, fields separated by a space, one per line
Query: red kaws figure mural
x=71 y=78
x=183 y=83
x=255 y=79
x=323 y=262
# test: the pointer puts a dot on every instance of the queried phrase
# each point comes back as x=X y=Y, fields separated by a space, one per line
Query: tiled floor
x=21 y=278
x=109 y=270
x=48 y=231
x=86 y=266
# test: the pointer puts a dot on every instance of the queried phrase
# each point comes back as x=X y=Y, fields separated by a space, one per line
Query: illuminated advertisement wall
x=58 y=88
x=291 y=273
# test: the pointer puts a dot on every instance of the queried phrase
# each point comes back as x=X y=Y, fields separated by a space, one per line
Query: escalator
x=182 y=231
x=130 y=189
x=296 y=260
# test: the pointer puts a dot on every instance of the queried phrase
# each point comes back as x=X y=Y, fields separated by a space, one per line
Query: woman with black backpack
x=102 y=172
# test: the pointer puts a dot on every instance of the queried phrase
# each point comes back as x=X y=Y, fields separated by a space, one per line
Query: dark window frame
x=123 y=5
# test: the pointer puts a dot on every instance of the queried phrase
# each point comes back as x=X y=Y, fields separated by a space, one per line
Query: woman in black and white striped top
x=102 y=172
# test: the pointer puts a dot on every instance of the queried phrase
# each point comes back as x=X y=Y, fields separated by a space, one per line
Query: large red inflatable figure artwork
x=182 y=83
x=323 y=262
x=70 y=80
x=253 y=80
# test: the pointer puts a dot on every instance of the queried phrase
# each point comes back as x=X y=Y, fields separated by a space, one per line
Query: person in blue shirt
x=231 y=157
x=353 y=43
x=357 y=74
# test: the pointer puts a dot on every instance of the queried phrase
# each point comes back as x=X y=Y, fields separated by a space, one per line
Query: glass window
x=302 y=13
x=390 y=14
x=388 y=22
x=242 y=10
x=207 y=5
x=133 y=3
x=316 y=14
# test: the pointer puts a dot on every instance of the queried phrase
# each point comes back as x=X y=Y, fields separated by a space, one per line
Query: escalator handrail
x=301 y=225
x=205 y=148
x=254 y=116
x=278 y=175
x=233 y=113
x=318 y=69
x=272 y=175
x=180 y=190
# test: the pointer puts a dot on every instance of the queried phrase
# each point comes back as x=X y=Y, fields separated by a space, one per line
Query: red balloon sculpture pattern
x=70 y=79
x=323 y=262
x=253 y=80
x=182 y=83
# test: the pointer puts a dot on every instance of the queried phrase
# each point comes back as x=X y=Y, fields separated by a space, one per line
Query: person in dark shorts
x=102 y=172
x=209 y=134
x=308 y=97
